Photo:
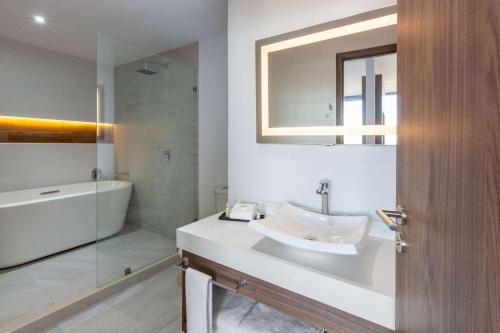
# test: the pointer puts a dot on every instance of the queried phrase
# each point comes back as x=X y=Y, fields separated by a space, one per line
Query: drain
x=127 y=271
x=311 y=237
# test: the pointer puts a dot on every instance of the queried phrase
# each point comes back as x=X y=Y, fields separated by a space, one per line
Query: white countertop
x=361 y=285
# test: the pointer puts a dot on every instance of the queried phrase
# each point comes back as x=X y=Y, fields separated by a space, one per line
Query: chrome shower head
x=145 y=70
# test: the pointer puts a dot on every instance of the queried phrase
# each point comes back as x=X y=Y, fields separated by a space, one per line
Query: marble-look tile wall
x=154 y=113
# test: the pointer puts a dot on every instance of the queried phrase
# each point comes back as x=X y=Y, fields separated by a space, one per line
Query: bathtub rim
x=60 y=196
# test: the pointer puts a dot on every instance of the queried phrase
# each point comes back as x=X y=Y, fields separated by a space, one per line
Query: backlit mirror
x=335 y=83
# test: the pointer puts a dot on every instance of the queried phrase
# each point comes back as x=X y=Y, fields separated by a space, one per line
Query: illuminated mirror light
x=330 y=130
x=367 y=25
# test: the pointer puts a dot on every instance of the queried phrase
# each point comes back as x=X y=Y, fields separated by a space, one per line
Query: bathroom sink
x=301 y=228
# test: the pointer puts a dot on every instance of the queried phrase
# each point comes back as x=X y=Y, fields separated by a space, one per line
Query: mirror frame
x=322 y=135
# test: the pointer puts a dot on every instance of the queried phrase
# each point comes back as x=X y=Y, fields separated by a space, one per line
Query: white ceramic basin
x=294 y=226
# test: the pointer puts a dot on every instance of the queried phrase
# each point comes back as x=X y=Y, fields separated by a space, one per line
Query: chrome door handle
x=393 y=218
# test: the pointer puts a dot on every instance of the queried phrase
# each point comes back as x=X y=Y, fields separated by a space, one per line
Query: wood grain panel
x=448 y=166
x=306 y=309
x=34 y=130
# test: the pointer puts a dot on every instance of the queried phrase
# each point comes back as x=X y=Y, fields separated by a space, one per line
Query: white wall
x=35 y=82
x=212 y=121
x=363 y=177
x=25 y=166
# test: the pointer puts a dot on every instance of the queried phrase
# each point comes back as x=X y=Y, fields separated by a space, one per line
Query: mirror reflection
x=368 y=93
x=331 y=84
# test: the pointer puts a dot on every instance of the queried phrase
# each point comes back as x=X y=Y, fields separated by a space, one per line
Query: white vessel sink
x=297 y=227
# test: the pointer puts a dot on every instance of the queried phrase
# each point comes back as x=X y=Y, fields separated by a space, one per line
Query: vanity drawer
x=303 y=308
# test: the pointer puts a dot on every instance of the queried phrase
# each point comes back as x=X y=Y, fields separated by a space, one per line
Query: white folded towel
x=198 y=302
x=243 y=211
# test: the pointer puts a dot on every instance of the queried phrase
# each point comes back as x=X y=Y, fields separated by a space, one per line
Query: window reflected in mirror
x=367 y=92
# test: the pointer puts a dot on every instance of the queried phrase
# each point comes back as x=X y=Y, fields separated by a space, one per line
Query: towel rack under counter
x=301 y=307
x=242 y=283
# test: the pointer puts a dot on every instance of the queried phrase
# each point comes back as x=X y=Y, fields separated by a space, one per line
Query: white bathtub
x=34 y=223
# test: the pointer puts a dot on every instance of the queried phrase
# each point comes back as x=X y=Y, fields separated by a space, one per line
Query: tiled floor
x=39 y=288
x=152 y=306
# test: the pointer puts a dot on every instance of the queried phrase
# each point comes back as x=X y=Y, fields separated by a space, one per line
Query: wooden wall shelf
x=37 y=130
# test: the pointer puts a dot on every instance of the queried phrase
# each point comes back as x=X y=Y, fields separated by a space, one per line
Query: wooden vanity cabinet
x=310 y=311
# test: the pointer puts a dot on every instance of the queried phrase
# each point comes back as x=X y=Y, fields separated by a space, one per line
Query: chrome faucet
x=323 y=189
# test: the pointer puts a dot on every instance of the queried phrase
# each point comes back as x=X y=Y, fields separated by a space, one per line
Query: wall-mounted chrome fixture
x=96 y=174
x=166 y=154
x=323 y=189
x=147 y=68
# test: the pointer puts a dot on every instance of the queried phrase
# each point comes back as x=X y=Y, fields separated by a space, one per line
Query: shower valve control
x=166 y=154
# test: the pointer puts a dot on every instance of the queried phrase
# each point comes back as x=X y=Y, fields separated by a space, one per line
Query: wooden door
x=448 y=280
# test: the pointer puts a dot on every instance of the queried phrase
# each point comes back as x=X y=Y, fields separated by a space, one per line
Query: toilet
x=220 y=193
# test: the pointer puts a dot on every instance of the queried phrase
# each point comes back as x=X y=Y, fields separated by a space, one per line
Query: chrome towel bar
x=241 y=283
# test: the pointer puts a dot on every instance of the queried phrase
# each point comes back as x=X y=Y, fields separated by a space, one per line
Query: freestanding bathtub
x=38 y=222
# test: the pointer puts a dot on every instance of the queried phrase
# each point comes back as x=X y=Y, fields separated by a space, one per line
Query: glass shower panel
x=147 y=156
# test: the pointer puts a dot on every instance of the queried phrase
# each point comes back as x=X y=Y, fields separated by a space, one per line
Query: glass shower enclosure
x=147 y=155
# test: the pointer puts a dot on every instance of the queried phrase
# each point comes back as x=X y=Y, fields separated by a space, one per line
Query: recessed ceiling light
x=39 y=19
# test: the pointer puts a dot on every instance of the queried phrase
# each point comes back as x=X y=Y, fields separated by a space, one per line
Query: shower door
x=147 y=155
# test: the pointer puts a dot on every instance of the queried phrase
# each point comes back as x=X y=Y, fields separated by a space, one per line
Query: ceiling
x=72 y=25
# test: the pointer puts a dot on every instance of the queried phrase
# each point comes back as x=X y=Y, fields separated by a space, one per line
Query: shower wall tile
x=154 y=113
